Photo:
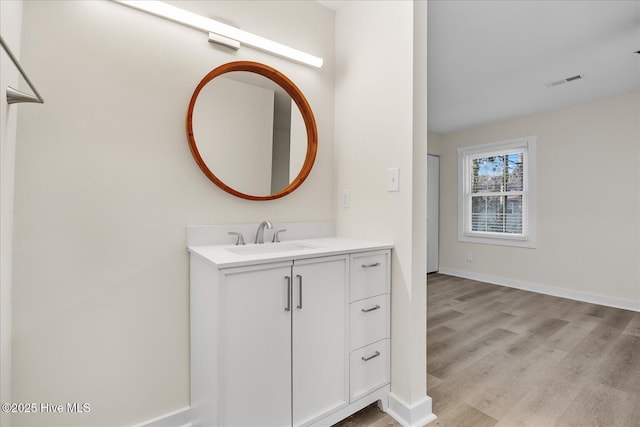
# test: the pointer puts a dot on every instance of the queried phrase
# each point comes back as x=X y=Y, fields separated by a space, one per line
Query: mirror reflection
x=250 y=133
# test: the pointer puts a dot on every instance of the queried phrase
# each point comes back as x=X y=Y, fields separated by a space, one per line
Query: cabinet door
x=320 y=353
x=255 y=346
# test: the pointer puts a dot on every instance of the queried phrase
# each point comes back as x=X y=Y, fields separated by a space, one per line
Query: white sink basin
x=269 y=248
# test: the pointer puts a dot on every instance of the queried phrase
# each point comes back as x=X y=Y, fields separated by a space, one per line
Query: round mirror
x=251 y=131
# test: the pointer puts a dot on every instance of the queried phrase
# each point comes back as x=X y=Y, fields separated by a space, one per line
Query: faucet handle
x=276 y=237
x=239 y=237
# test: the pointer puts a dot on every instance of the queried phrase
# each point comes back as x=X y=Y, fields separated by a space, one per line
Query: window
x=496 y=202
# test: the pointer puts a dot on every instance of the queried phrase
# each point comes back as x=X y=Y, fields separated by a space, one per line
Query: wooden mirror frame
x=295 y=94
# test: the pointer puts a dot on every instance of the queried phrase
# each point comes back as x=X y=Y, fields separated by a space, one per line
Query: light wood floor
x=498 y=356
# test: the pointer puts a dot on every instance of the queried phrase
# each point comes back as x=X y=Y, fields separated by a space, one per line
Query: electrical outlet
x=345 y=200
x=393 y=178
x=470 y=257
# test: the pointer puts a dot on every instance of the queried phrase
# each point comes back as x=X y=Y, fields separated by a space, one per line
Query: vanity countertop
x=226 y=256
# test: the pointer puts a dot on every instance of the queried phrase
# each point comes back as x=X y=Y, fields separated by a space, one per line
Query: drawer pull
x=373 y=356
x=366 y=310
x=375 y=264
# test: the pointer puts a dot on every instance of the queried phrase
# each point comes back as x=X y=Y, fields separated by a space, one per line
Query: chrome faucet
x=260 y=232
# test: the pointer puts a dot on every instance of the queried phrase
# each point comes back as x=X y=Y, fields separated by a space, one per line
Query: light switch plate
x=393 y=179
x=345 y=200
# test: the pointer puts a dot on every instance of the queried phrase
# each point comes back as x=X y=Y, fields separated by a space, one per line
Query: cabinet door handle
x=288 y=307
x=375 y=264
x=373 y=356
x=299 y=277
x=366 y=310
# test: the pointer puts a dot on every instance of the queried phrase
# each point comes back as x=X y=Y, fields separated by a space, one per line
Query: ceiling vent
x=566 y=80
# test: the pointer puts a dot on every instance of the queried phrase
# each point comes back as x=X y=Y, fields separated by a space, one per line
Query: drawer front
x=369 y=320
x=370 y=274
x=369 y=369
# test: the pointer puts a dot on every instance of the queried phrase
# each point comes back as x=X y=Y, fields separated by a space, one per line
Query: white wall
x=105 y=186
x=377 y=128
x=435 y=143
x=588 y=204
x=11 y=24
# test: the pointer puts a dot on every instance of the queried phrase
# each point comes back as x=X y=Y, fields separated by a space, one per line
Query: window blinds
x=496 y=192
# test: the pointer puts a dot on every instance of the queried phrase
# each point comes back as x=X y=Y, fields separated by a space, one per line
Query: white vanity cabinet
x=284 y=343
x=281 y=344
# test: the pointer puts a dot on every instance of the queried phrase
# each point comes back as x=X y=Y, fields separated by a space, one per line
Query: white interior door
x=433 y=210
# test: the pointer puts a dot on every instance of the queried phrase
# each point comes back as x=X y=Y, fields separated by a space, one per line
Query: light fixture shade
x=209 y=25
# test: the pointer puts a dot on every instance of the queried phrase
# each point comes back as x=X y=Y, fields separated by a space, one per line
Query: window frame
x=465 y=155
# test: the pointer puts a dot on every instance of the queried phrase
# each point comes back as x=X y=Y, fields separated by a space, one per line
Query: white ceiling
x=489 y=61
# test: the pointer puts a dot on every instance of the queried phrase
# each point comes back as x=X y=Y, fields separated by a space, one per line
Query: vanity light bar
x=209 y=25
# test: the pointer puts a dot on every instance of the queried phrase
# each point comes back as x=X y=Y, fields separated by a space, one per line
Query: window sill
x=514 y=242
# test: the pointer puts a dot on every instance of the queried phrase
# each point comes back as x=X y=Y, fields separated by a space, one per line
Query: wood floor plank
x=630 y=415
x=524 y=344
x=472 y=379
x=546 y=401
x=620 y=368
x=443 y=339
x=480 y=323
x=434 y=381
x=591 y=350
x=445 y=366
x=595 y=405
x=536 y=316
x=477 y=294
x=528 y=305
x=547 y=327
x=633 y=327
x=442 y=317
x=617 y=318
x=514 y=380
x=570 y=336
x=465 y=416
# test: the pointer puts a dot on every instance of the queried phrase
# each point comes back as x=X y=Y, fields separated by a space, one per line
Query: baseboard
x=623 y=303
x=416 y=415
x=177 y=418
